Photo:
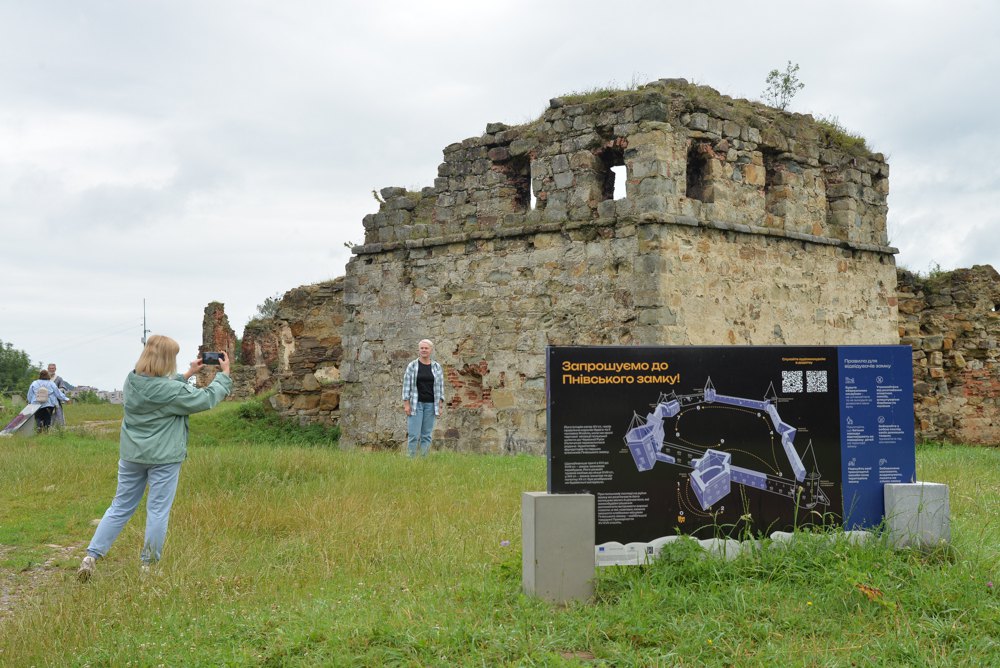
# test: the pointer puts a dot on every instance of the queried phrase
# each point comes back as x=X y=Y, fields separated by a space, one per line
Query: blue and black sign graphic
x=729 y=440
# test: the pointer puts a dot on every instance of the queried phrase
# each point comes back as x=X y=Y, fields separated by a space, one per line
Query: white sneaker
x=87 y=567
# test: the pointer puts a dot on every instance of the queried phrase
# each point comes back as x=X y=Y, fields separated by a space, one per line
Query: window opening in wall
x=770 y=170
x=619 y=174
x=518 y=172
x=775 y=190
x=532 y=200
x=699 y=184
x=611 y=160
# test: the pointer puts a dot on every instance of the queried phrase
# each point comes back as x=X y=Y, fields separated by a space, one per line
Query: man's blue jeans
x=132 y=480
x=419 y=427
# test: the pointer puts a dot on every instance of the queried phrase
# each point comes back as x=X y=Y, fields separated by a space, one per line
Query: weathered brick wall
x=741 y=224
x=216 y=336
x=951 y=319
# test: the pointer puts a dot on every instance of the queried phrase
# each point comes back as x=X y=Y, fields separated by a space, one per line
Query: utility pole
x=144 y=330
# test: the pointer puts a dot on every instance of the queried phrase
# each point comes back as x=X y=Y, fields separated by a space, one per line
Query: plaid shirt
x=410 y=384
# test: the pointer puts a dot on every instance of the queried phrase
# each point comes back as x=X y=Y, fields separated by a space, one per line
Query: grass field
x=284 y=551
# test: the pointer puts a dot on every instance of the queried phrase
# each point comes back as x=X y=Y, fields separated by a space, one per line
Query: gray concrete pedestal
x=917 y=514
x=557 y=543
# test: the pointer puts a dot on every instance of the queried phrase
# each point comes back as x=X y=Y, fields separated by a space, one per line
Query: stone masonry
x=952 y=321
x=740 y=224
x=298 y=352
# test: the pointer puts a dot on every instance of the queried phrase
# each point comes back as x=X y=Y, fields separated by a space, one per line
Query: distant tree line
x=16 y=369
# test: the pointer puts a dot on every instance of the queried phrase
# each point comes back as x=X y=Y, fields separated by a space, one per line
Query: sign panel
x=729 y=440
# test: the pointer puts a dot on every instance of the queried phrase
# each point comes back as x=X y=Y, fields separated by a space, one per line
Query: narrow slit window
x=619 y=173
x=612 y=162
x=518 y=172
x=699 y=185
x=532 y=200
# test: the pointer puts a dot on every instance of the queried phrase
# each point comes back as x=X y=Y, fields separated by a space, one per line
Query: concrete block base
x=917 y=514
x=557 y=539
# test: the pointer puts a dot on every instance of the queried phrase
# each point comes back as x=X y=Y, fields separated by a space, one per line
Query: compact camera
x=212 y=358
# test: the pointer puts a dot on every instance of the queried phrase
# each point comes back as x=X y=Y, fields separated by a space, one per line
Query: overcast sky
x=188 y=151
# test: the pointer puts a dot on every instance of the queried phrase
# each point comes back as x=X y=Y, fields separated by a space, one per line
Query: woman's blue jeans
x=419 y=427
x=132 y=481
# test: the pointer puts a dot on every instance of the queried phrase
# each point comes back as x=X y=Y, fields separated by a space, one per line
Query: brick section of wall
x=952 y=321
x=216 y=336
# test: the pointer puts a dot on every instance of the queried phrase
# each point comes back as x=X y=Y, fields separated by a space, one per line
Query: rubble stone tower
x=740 y=224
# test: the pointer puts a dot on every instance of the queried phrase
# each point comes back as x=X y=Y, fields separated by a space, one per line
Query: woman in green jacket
x=153 y=444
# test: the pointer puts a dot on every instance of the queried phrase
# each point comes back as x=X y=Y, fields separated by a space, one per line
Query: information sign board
x=729 y=440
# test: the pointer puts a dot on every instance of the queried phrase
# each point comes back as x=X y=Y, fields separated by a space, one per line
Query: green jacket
x=155 y=426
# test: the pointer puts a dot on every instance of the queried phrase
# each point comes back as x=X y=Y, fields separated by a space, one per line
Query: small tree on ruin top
x=782 y=86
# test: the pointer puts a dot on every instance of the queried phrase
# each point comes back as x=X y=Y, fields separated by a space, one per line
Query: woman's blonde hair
x=159 y=357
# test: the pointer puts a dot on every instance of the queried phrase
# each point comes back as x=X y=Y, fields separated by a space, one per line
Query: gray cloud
x=132 y=132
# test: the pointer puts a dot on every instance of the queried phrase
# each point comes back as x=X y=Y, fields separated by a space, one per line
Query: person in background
x=56 y=378
x=423 y=398
x=152 y=445
x=45 y=393
x=58 y=419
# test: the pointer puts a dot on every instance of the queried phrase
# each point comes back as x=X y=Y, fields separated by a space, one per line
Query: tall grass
x=296 y=555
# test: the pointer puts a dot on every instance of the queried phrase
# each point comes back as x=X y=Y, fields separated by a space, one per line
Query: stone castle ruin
x=952 y=320
x=740 y=224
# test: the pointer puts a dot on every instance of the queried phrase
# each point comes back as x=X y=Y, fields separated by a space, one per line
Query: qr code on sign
x=815 y=381
x=791 y=381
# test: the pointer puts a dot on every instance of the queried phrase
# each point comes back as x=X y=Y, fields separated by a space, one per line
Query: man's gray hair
x=427 y=341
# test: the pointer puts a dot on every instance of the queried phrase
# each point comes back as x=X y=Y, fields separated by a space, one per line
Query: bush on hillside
x=258 y=421
x=89 y=397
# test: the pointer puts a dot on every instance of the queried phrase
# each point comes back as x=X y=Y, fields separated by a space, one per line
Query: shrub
x=89 y=397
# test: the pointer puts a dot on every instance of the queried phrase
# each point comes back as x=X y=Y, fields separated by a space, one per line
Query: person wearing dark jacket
x=152 y=445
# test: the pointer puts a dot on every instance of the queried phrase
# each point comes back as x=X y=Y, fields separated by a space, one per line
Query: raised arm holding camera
x=153 y=444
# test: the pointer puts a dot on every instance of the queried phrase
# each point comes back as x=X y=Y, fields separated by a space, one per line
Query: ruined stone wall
x=305 y=337
x=216 y=336
x=952 y=321
x=690 y=155
x=491 y=313
x=740 y=224
x=296 y=353
x=259 y=358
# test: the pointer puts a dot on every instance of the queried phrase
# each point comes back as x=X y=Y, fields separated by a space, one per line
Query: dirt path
x=16 y=587
x=97 y=427
x=19 y=586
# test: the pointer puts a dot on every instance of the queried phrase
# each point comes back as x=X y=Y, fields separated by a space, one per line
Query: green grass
x=289 y=554
x=611 y=89
x=838 y=135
